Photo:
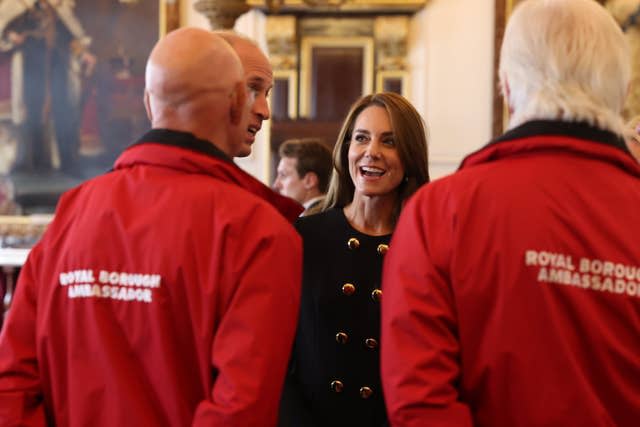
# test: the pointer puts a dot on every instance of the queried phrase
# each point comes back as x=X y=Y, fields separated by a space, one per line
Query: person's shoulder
x=458 y=179
x=441 y=193
x=238 y=202
x=319 y=223
x=226 y=201
x=70 y=195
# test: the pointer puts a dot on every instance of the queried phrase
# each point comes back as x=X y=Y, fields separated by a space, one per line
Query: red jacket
x=515 y=298
x=164 y=293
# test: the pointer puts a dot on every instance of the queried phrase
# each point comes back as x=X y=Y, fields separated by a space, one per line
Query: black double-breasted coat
x=334 y=377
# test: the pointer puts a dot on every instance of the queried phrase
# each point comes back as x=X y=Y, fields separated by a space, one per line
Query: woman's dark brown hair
x=411 y=142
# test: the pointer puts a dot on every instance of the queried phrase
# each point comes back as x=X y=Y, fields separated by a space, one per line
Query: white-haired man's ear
x=506 y=93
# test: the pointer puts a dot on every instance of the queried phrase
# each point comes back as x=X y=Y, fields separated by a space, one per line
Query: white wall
x=451 y=67
x=189 y=17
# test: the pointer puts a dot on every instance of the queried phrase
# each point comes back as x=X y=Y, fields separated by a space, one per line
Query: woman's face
x=374 y=162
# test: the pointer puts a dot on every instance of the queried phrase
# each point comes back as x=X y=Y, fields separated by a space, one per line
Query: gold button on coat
x=382 y=248
x=365 y=392
x=337 y=386
x=371 y=343
x=353 y=243
x=342 y=338
x=376 y=295
x=348 y=289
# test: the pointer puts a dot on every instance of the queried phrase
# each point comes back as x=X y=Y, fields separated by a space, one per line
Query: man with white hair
x=512 y=287
x=165 y=292
x=304 y=171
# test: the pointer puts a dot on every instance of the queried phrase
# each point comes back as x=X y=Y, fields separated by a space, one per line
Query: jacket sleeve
x=420 y=352
x=21 y=396
x=252 y=344
x=294 y=409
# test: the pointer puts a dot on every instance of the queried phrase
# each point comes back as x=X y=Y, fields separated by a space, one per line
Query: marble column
x=222 y=14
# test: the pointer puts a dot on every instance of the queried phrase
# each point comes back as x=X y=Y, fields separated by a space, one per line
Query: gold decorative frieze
x=281 y=39
x=625 y=13
x=323 y=6
x=391 y=34
x=342 y=27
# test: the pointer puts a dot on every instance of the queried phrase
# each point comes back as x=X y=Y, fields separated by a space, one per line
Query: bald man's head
x=258 y=77
x=195 y=83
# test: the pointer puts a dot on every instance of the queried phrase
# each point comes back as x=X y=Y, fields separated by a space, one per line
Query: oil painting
x=71 y=90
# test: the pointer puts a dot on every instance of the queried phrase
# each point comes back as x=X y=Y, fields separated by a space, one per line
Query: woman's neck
x=371 y=215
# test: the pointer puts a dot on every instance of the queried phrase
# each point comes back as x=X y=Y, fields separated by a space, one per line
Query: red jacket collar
x=193 y=157
x=547 y=136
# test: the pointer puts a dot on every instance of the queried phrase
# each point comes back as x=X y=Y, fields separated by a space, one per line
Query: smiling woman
x=380 y=159
x=374 y=162
x=408 y=134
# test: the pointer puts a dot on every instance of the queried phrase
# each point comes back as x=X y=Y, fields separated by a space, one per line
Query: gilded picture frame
x=307 y=45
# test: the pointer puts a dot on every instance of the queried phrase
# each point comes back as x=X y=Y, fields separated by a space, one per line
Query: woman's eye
x=360 y=138
x=389 y=142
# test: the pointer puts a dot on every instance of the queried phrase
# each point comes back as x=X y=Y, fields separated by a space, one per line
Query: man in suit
x=303 y=172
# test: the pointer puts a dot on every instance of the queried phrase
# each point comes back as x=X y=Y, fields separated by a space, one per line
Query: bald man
x=166 y=292
x=258 y=76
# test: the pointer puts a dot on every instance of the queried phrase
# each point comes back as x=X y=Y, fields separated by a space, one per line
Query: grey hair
x=565 y=60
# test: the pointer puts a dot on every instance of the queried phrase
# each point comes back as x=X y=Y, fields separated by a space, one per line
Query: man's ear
x=238 y=101
x=147 y=105
x=310 y=180
x=506 y=91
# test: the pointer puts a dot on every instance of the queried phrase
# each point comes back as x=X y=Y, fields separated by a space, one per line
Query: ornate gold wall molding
x=391 y=34
x=623 y=12
x=383 y=40
x=282 y=42
x=323 y=6
x=306 y=47
x=342 y=27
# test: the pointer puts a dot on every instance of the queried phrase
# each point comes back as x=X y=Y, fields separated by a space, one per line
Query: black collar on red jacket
x=569 y=129
x=183 y=140
x=289 y=208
